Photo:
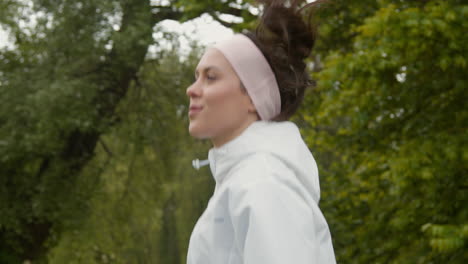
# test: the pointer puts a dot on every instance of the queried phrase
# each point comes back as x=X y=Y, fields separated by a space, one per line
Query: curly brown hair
x=286 y=39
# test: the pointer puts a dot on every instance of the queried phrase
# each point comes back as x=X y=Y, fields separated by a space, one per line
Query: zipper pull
x=197 y=164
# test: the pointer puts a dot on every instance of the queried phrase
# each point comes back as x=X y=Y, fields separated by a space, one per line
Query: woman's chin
x=196 y=131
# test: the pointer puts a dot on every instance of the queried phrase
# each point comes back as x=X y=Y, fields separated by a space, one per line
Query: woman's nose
x=194 y=90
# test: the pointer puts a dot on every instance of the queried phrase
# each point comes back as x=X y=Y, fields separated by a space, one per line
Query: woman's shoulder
x=262 y=181
x=258 y=170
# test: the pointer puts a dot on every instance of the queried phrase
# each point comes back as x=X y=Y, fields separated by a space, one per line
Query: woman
x=265 y=204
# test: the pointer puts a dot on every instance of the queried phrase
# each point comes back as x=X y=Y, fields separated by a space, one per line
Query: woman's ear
x=251 y=107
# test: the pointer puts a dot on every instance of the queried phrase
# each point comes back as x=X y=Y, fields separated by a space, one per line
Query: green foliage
x=149 y=196
x=446 y=238
x=56 y=100
x=43 y=102
x=387 y=123
x=237 y=8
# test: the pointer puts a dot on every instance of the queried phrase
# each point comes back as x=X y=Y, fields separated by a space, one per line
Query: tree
x=61 y=85
x=149 y=196
x=387 y=125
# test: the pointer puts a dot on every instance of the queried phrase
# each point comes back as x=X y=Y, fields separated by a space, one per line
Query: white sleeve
x=273 y=225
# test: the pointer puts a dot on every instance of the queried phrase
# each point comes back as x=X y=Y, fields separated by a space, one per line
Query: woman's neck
x=226 y=137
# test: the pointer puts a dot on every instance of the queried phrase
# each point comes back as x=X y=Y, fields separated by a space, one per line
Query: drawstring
x=197 y=164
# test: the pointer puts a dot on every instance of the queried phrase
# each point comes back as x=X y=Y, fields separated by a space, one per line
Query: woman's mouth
x=194 y=109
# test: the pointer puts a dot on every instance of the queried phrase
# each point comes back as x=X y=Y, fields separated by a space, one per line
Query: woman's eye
x=211 y=77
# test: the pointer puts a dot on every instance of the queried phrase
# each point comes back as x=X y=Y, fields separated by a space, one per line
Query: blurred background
x=95 y=158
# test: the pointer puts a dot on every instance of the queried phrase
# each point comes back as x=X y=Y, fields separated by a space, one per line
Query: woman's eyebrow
x=206 y=69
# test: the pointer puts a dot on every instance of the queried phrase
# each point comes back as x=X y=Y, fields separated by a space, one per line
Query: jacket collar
x=223 y=158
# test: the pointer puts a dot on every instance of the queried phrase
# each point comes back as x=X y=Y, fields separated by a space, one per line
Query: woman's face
x=219 y=109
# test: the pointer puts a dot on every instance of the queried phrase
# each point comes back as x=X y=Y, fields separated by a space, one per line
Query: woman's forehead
x=213 y=59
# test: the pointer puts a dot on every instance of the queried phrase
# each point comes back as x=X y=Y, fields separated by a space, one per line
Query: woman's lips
x=194 y=109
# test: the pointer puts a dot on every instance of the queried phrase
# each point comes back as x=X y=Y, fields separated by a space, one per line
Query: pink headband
x=254 y=72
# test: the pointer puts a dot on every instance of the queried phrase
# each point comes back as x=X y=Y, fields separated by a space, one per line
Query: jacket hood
x=280 y=139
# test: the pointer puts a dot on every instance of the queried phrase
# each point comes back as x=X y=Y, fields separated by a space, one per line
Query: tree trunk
x=113 y=77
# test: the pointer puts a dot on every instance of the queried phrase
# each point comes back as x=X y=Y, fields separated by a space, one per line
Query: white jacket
x=264 y=208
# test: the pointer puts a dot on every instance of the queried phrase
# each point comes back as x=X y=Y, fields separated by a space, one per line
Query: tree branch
x=161 y=13
x=224 y=23
x=106 y=149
